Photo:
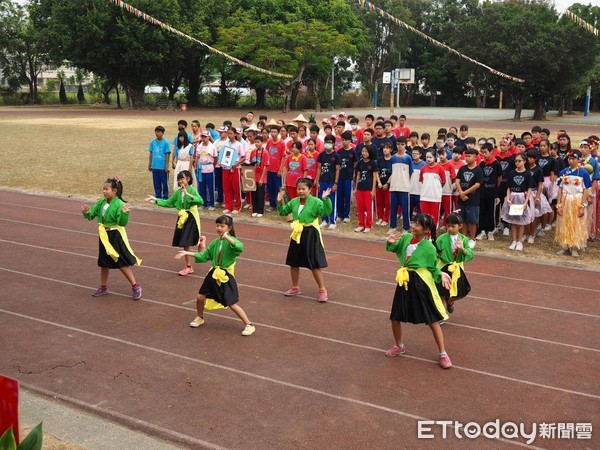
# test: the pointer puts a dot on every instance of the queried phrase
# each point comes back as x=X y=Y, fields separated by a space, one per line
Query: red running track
x=524 y=344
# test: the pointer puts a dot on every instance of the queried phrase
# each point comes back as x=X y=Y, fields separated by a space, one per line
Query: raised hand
x=127 y=207
x=151 y=198
x=85 y=208
x=326 y=193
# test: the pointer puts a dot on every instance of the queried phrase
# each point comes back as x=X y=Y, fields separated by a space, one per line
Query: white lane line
x=352 y=277
x=131 y=422
x=322 y=338
x=243 y=373
x=302 y=296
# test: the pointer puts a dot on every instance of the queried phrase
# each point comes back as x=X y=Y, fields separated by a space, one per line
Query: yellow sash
x=454 y=269
x=220 y=276
x=402 y=277
x=298 y=226
x=183 y=217
x=110 y=250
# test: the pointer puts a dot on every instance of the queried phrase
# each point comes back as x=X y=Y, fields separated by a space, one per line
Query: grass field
x=70 y=152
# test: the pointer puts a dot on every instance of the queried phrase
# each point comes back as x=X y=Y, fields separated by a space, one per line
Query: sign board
x=248 y=180
x=387 y=77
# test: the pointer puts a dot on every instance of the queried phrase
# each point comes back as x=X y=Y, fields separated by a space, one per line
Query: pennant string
x=582 y=23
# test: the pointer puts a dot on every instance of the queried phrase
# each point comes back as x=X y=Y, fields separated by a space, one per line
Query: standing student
x=574 y=186
x=468 y=182
x=590 y=164
x=276 y=148
x=550 y=171
x=538 y=203
x=158 y=162
x=186 y=200
x=294 y=167
x=204 y=162
x=454 y=251
x=415 y=182
x=365 y=183
x=449 y=185
x=219 y=144
x=507 y=162
x=306 y=244
x=382 y=195
x=328 y=173
x=457 y=162
x=492 y=177
x=259 y=158
x=312 y=154
x=232 y=190
x=518 y=193
x=183 y=157
x=219 y=289
x=416 y=299
x=432 y=178
x=402 y=169
x=114 y=250
x=348 y=158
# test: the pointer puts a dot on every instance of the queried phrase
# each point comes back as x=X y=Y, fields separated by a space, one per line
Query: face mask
x=354 y=127
x=328 y=146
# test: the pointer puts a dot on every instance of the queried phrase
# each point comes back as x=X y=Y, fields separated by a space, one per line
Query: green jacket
x=228 y=255
x=425 y=255
x=313 y=209
x=113 y=215
x=175 y=200
x=444 y=243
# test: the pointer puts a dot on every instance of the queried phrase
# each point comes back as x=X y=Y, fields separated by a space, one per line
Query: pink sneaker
x=445 y=362
x=186 y=271
x=291 y=292
x=323 y=295
x=396 y=350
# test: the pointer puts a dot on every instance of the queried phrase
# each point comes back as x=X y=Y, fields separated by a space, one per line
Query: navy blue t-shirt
x=385 y=169
x=519 y=181
x=366 y=171
x=467 y=178
x=328 y=161
x=348 y=159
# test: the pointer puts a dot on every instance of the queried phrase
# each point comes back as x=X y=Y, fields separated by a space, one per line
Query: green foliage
x=62 y=95
x=50 y=85
x=33 y=441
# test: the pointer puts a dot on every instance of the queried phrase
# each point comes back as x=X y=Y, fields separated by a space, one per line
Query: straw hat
x=272 y=122
x=300 y=118
x=253 y=127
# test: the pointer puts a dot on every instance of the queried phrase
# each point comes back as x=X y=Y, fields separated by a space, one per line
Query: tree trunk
x=518 y=99
x=223 y=90
x=105 y=96
x=292 y=85
x=261 y=98
x=135 y=96
x=484 y=98
x=570 y=104
x=194 y=85
x=294 y=100
x=539 y=112
x=118 y=91
x=433 y=98
x=561 y=105
x=315 y=88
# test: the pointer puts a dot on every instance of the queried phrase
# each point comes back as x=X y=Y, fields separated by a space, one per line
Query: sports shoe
x=359 y=229
x=531 y=240
x=481 y=236
x=226 y=211
x=136 y=292
x=391 y=231
x=524 y=237
x=450 y=306
x=197 y=322
x=490 y=236
x=445 y=362
x=235 y=211
x=248 y=330
x=384 y=223
x=346 y=220
x=506 y=231
x=472 y=243
x=331 y=226
x=519 y=247
x=100 y=291
x=186 y=271
x=324 y=224
x=548 y=227
x=259 y=215
x=323 y=295
x=396 y=350
x=211 y=208
x=378 y=222
x=564 y=251
x=367 y=230
x=254 y=214
x=513 y=245
x=291 y=292
x=574 y=253
x=247 y=205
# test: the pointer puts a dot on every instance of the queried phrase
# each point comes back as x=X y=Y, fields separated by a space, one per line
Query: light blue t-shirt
x=160 y=150
x=190 y=138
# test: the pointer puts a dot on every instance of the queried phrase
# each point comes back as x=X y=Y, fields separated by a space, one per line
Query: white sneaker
x=490 y=236
x=235 y=211
x=524 y=237
x=254 y=214
x=513 y=245
x=548 y=227
x=506 y=231
x=472 y=243
x=197 y=322
x=367 y=230
x=324 y=224
x=259 y=215
x=531 y=240
x=331 y=226
x=346 y=220
x=248 y=330
x=574 y=253
x=226 y=211
x=540 y=233
x=211 y=208
x=359 y=229
x=384 y=223
x=391 y=231
x=519 y=247
x=247 y=205
x=481 y=236
x=378 y=222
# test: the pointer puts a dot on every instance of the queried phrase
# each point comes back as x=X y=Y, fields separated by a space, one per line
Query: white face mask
x=354 y=127
x=328 y=146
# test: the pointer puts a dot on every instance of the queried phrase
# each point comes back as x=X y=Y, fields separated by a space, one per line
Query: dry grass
x=69 y=152
x=50 y=442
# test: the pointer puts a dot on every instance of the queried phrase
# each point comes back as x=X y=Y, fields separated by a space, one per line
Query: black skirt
x=309 y=252
x=226 y=294
x=188 y=235
x=416 y=304
x=125 y=256
x=463 y=285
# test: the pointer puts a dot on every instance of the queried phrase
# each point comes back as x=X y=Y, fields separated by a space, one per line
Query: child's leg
x=200 y=300
x=394 y=198
x=386 y=205
x=128 y=274
x=208 y=179
x=240 y=313
x=156 y=181
x=369 y=210
x=361 y=207
x=520 y=231
x=189 y=259
x=227 y=189
x=318 y=275
x=219 y=183
x=472 y=230
x=438 y=336
x=405 y=211
x=447 y=205
x=260 y=200
x=513 y=232
x=104 y=276
x=165 y=184
x=397 y=331
x=295 y=273
x=379 y=202
x=415 y=202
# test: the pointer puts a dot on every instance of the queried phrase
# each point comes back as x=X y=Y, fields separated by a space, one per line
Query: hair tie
x=117 y=179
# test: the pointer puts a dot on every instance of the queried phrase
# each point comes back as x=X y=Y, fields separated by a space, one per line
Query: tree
x=79 y=77
x=62 y=94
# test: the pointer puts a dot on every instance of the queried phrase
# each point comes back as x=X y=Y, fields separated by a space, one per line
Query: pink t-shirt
x=295 y=168
x=312 y=164
x=205 y=155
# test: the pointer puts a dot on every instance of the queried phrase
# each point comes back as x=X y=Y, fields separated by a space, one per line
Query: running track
x=524 y=344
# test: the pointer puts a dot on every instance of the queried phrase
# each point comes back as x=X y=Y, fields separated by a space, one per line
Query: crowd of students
x=514 y=185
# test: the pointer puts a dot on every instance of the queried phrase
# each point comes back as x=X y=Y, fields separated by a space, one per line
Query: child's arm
x=236 y=245
x=283 y=209
x=464 y=253
x=168 y=203
x=191 y=193
x=90 y=212
x=393 y=243
x=336 y=179
x=167 y=158
x=150 y=161
x=123 y=215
